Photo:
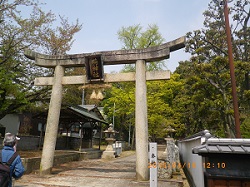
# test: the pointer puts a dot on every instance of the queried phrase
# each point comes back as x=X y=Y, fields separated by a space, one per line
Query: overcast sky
x=102 y=19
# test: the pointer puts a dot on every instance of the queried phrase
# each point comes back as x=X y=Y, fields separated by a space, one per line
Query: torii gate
x=94 y=67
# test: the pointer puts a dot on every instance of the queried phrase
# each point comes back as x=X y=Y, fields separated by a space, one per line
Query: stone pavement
x=119 y=172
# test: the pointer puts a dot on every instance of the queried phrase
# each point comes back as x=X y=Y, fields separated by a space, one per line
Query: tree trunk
x=133 y=140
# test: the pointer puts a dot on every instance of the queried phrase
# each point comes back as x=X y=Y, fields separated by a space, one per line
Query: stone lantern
x=170 y=131
x=170 y=156
x=109 y=134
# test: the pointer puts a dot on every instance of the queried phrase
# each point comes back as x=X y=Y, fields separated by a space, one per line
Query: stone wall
x=74 y=143
x=27 y=143
x=32 y=164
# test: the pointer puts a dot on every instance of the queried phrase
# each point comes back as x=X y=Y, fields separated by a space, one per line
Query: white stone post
x=141 y=122
x=52 y=123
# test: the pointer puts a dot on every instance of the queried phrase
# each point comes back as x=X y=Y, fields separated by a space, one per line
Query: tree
x=59 y=40
x=133 y=37
x=17 y=72
x=72 y=94
x=208 y=87
x=160 y=94
x=122 y=96
x=209 y=51
x=210 y=42
x=162 y=113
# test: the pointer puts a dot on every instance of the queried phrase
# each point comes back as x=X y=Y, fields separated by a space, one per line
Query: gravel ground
x=119 y=172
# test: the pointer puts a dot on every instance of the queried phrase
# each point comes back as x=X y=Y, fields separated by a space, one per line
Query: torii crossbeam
x=94 y=62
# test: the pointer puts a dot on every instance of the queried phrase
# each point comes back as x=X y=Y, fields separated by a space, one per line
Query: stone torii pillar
x=93 y=62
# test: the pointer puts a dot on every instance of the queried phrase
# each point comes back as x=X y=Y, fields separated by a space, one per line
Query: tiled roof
x=83 y=112
x=88 y=107
x=195 y=136
x=223 y=145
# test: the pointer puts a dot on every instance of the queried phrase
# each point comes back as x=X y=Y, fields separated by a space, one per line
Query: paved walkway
x=119 y=172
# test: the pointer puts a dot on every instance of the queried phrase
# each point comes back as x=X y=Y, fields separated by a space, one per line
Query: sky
x=102 y=19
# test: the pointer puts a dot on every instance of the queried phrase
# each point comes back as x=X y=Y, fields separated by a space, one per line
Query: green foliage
x=208 y=88
x=123 y=94
x=133 y=37
x=198 y=95
x=34 y=31
x=245 y=128
x=11 y=95
x=161 y=108
x=208 y=83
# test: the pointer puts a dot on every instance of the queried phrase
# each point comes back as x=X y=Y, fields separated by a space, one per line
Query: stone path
x=119 y=172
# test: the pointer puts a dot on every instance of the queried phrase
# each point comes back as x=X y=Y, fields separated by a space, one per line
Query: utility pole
x=232 y=74
x=114 y=117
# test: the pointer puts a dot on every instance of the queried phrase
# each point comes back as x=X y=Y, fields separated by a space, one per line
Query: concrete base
x=108 y=154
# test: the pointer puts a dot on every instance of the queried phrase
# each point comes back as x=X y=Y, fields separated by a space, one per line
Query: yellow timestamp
x=177 y=165
x=218 y=165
